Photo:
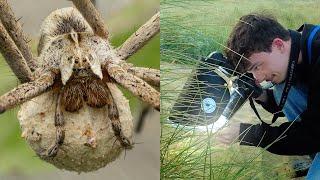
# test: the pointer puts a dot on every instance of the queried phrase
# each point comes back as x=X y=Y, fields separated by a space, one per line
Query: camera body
x=213 y=93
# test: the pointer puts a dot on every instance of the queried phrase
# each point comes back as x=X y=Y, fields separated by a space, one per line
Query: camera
x=212 y=94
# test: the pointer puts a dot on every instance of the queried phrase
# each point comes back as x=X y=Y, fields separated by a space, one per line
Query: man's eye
x=256 y=67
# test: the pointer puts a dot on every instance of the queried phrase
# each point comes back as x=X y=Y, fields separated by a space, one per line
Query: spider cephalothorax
x=73 y=81
x=78 y=58
x=74 y=55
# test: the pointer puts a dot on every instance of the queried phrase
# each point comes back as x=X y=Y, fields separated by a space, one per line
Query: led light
x=266 y=84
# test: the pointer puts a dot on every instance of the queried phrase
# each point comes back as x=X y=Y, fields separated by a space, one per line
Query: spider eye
x=69 y=58
x=76 y=61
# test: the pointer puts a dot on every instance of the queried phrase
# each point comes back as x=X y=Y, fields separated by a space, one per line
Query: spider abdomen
x=97 y=94
x=91 y=91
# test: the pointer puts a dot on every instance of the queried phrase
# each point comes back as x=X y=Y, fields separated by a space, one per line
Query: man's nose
x=259 y=77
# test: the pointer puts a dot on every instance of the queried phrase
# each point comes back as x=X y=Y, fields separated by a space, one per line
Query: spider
x=76 y=63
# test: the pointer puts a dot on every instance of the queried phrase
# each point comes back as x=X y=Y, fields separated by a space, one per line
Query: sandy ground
x=142 y=162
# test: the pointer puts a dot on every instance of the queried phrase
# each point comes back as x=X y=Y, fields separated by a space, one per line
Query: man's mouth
x=271 y=79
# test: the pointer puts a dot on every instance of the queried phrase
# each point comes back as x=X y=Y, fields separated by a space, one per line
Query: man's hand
x=229 y=134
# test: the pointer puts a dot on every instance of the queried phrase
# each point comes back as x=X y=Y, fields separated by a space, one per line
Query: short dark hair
x=253 y=33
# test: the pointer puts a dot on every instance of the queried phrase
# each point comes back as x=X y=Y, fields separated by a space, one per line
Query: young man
x=290 y=59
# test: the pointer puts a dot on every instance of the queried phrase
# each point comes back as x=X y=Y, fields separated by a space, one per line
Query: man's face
x=271 y=66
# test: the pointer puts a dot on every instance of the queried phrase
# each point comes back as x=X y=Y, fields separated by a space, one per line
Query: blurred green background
x=122 y=19
x=191 y=30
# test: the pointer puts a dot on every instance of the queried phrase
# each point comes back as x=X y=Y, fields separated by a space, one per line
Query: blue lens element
x=208 y=105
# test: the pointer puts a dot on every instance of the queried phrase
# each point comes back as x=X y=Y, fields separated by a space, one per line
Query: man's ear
x=278 y=43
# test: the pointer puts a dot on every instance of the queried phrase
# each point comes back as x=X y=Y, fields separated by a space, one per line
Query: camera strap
x=310 y=39
x=294 y=55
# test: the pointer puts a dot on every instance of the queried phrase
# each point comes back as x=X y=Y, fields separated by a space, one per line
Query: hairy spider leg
x=113 y=114
x=58 y=123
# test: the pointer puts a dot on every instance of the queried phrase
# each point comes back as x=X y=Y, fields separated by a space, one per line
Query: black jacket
x=294 y=138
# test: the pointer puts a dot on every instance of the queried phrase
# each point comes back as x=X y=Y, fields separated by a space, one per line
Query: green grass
x=191 y=30
x=16 y=157
x=190 y=154
x=196 y=28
